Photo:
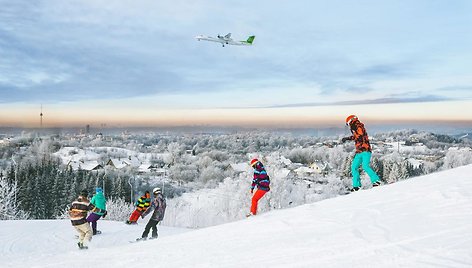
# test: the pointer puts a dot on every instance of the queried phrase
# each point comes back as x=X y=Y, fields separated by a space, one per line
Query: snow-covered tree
x=9 y=209
x=456 y=157
x=118 y=209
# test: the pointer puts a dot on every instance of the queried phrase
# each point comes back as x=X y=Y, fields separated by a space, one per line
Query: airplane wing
x=208 y=38
x=228 y=35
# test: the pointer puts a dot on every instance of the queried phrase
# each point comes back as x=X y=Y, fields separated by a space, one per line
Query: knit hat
x=83 y=193
x=99 y=190
x=254 y=162
x=350 y=118
x=156 y=190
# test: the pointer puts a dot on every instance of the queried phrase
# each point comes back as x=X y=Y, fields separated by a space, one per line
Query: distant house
x=160 y=172
x=416 y=163
x=152 y=168
x=90 y=165
x=131 y=161
x=144 y=168
x=190 y=152
x=85 y=165
x=116 y=163
x=320 y=167
x=317 y=167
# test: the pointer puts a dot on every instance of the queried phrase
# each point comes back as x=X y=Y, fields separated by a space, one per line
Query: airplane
x=226 y=40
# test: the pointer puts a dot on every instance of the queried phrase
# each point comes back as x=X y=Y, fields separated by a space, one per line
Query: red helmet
x=350 y=118
x=254 y=162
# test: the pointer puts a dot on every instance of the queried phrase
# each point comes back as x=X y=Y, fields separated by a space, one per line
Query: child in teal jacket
x=99 y=202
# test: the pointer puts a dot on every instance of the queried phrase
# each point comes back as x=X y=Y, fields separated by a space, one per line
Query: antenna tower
x=41 y=117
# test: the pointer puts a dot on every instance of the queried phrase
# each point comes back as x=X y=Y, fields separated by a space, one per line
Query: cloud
x=87 y=49
x=387 y=100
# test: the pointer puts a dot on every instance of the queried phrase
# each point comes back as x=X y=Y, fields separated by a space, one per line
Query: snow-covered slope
x=421 y=222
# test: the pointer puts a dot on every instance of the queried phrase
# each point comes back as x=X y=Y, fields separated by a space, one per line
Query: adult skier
x=141 y=205
x=78 y=213
x=99 y=201
x=262 y=181
x=363 y=153
x=158 y=204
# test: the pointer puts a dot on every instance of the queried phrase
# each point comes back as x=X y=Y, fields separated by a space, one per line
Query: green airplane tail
x=251 y=39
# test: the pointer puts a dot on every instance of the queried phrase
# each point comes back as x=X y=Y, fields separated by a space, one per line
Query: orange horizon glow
x=327 y=116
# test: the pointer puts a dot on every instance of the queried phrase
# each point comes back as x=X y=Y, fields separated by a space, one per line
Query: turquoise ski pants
x=364 y=159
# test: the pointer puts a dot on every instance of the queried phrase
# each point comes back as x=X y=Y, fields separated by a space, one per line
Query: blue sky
x=90 y=59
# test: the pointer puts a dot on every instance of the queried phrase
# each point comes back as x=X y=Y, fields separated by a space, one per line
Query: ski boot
x=375 y=184
x=355 y=189
x=81 y=245
x=141 y=239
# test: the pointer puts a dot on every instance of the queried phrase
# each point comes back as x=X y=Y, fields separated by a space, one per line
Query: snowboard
x=350 y=190
x=139 y=239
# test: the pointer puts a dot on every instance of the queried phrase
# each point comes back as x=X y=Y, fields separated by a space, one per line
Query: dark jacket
x=158 y=204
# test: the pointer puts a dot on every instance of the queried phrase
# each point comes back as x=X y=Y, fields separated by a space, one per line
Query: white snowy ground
x=421 y=222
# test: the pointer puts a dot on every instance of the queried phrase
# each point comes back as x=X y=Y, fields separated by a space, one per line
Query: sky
x=420 y=222
x=312 y=63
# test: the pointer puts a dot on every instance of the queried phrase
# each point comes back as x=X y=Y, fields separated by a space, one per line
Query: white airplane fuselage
x=222 y=40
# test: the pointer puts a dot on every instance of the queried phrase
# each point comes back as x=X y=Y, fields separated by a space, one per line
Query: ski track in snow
x=421 y=222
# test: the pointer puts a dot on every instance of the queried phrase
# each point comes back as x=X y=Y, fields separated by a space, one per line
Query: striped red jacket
x=261 y=179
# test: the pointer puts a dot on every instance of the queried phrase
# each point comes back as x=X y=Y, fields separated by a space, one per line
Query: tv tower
x=41 y=117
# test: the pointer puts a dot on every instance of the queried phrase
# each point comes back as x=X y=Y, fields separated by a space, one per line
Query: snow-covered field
x=421 y=222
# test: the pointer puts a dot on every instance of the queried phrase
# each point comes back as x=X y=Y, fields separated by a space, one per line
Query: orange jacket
x=359 y=135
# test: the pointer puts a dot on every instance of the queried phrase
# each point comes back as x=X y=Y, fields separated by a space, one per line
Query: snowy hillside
x=421 y=222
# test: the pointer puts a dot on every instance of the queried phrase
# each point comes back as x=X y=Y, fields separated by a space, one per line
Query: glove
x=343 y=140
x=252 y=190
x=142 y=216
x=104 y=214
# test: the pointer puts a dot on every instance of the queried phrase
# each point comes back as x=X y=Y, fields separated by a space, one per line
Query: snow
x=240 y=167
x=402 y=148
x=420 y=222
